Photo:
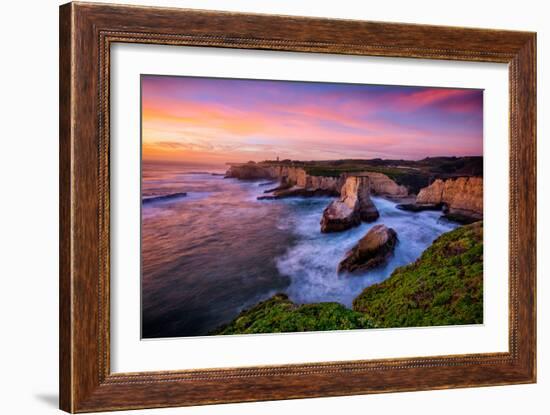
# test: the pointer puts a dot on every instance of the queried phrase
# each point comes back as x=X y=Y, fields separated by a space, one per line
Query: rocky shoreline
x=458 y=198
x=298 y=179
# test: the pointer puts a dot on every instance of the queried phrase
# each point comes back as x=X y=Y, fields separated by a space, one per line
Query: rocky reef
x=372 y=250
x=353 y=206
x=461 y=199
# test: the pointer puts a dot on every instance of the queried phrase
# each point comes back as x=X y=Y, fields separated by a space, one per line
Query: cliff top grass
x=443 y=287
x=279 y=315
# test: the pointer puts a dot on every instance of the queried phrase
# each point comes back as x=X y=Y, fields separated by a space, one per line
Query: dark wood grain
x=65 y=246
x=86 y=33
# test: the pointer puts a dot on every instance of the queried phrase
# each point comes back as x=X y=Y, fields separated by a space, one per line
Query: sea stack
x=353 y=206
x=371 y=251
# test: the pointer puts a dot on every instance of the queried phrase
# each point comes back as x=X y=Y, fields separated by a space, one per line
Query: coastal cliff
x=462 y=197
x=289 y=176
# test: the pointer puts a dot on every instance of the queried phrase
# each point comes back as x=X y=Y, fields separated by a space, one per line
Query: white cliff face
x=463 y=196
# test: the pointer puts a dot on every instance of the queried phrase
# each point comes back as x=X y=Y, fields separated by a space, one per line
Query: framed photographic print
x=261 y=207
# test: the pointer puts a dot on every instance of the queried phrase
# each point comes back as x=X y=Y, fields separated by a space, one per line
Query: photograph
x=275 y=206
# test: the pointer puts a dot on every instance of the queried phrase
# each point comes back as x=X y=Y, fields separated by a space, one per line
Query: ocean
x=210 y=249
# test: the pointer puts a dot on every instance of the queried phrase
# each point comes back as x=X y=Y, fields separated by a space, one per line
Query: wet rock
x=372 y=250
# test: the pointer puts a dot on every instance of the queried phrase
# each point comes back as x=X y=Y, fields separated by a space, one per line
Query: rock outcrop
x=372 y=250
x=461 y=198
x=353 y=206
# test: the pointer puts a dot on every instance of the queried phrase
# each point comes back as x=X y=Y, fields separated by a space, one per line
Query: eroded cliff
x=380 y=184
x=461 y=197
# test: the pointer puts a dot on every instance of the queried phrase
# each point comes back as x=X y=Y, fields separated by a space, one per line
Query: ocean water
x=216 y=251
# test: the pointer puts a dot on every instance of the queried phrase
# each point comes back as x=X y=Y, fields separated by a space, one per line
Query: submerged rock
x=296 y=191
x=164 y=198
x=419 y=207
x=371 y=251
x=353 y=206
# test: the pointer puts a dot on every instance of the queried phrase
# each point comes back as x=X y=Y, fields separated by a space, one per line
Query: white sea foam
x=312 y=262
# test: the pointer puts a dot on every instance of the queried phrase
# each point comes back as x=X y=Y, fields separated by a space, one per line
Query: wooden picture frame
x=86 y=33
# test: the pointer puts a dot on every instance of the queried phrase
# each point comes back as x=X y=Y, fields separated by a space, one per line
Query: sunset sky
x=213 y=121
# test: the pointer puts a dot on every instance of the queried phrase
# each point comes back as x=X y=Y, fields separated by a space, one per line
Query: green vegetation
x=278 y=315
x=443 y=287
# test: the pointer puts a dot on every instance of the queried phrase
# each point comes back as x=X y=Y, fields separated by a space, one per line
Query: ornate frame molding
x=86 y=34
